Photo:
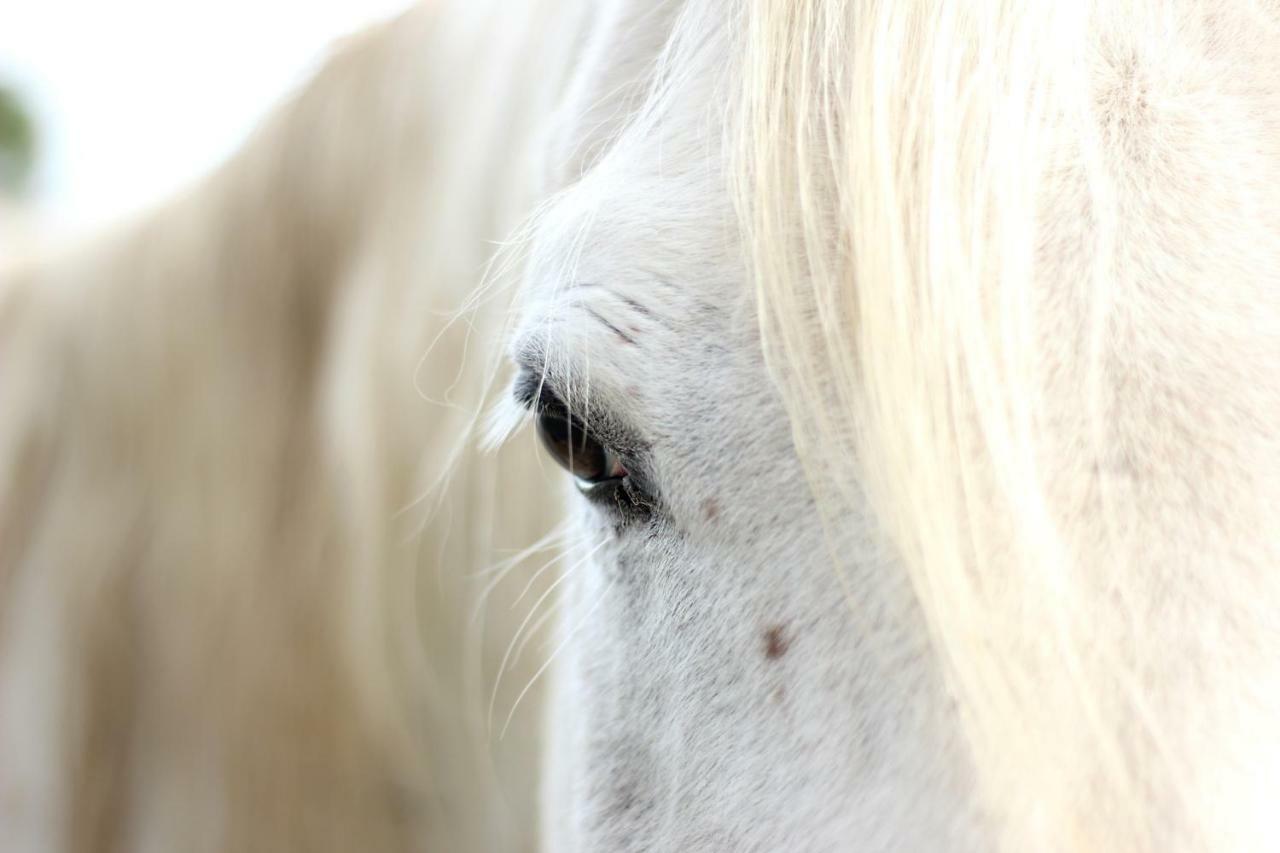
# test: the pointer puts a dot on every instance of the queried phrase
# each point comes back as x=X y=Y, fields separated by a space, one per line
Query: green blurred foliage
x=17 y=143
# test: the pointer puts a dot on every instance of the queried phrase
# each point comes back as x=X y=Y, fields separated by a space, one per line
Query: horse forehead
x=636 y=264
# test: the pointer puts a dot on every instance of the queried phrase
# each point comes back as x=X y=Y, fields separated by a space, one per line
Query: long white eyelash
x=502 y=422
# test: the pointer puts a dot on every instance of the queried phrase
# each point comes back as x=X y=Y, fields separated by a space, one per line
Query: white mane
x=1040 y=242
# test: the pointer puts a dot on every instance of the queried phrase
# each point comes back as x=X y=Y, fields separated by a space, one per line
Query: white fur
x=1103 y=678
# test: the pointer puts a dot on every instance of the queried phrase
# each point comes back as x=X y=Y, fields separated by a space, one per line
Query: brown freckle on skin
x=779 y=693
x=775 y=644
x=711 y=509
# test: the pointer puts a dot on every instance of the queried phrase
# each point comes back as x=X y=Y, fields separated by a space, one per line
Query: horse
x=916 y=363
x=913 y=363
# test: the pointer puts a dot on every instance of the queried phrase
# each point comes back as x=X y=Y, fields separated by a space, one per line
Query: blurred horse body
x=241 y=559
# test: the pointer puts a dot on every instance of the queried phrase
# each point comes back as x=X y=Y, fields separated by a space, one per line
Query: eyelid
x=539 y=391
x=528 y=387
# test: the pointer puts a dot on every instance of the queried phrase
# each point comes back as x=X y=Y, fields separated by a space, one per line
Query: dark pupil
x=572 y=446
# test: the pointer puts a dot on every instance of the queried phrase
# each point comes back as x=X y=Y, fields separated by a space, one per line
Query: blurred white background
x=134 y=98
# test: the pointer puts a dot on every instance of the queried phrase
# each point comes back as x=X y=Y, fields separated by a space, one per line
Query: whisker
x=534 y=579
x=517 y=555
x=551 y=610
x=505 y=567
x=506 y=658
x=551 y=659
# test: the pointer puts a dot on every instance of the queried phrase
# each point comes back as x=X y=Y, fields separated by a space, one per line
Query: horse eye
x=575 y=450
